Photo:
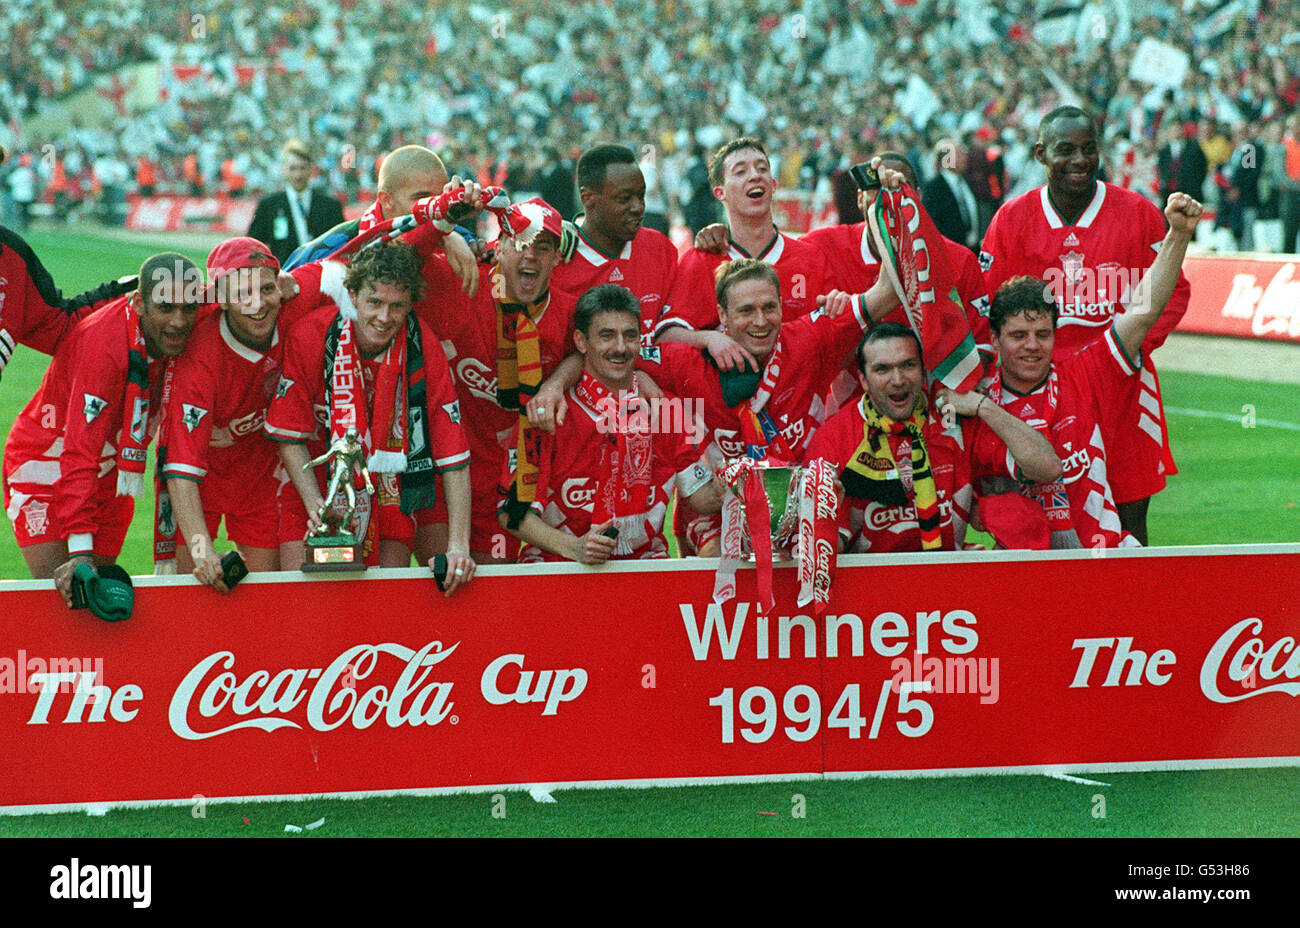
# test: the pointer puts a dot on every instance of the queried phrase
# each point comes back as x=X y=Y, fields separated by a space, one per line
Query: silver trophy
x=335 y=545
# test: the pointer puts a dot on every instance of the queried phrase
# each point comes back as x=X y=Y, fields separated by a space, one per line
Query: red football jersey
x=569 y=474
x=693 y=302
x=854 y=269
x=1066 y=409
x=646 y=266
x=813 y=349
x=298 y=411
x=32 y=310
x=467 y=329
x=851 y=266
x=69 y=434
x=220 y=391
x=867 y=525
x=1090 y=265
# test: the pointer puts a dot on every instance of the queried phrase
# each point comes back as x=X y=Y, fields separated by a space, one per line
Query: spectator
x=298 y=213
x=948 y=198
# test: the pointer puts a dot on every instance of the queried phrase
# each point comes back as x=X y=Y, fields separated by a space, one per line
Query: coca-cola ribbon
x=745 y=504
x=817 y=534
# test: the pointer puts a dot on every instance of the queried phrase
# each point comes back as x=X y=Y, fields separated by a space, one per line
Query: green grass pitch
x=1239 y=483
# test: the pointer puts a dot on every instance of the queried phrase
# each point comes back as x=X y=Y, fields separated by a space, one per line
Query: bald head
x=408 y=174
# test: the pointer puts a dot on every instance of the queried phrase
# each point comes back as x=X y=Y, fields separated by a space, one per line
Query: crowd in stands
x=509 y=94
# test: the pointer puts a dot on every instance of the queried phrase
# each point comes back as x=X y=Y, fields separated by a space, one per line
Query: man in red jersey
x=605 y=475
x=1071 y=398
x=769 y=411
x=613 y=246
x=75 y=458
x=218 y=462
x=742 y=181
x=500 y=343
x=32 y=310
x=373 y=366
x=1092 y=241
x=907 y=480
x=853 y=268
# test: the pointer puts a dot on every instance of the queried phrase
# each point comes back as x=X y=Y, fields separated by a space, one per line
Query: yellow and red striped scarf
x=519 y=374
x=892 y=467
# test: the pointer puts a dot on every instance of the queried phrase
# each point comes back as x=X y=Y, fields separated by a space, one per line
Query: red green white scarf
x=395 y=435
x=624 y=488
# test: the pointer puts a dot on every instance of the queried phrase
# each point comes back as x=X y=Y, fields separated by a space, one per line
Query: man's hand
x=726 y=353
x=715 y=238
x=460 y=569
x=287 y=285
x=63 y=575
x=593 y=547
x=568 y=240
x=835 y=303
x=961 y=404
x=547 y=408
x=207 y=570
x=1183 y=213
x=473 y=198
x=459 y=200
x=462 y=262
x=647 y=386
x=315 y=517
x=890 y=178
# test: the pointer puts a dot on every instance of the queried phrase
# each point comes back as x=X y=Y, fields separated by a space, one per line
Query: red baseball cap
x=238 y=253
x=523 y=221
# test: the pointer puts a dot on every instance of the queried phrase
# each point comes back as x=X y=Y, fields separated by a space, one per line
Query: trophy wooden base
x=333 y=553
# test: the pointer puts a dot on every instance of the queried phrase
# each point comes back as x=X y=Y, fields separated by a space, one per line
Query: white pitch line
x=541 y=794
x=1230 y=417
x=1069 y=779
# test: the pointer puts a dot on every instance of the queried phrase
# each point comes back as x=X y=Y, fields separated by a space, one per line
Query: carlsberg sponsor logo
x=334 y=696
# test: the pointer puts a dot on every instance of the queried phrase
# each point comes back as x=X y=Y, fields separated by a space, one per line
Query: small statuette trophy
x=334 y=546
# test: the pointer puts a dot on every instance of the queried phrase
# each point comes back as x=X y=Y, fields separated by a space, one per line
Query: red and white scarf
x=624 y=487
x=372 y=217
x=382 y=435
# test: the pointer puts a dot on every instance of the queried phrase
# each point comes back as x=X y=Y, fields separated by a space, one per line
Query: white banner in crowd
x=1159 y=63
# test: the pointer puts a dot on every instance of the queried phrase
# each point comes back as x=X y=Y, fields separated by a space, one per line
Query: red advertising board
x=628 y=673
x=231 y=215
x=223 y=214
x=1248 y=296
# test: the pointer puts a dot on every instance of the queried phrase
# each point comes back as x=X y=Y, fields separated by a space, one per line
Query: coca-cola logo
x=576 y=494
x=480 y=380
x=1244 y=659
x=1273 y=309
x=334 y=695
